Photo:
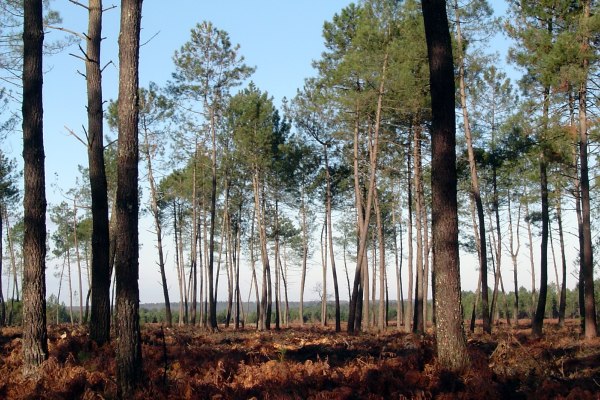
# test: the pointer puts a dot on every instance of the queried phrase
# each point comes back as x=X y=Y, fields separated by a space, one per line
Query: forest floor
x=310 y=363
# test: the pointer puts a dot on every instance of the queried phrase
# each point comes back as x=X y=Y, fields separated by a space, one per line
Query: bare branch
x=109 y=8
x=60 y=28
x=110 y=143
x=76 y=56
x=87 y=137
x=107 y=64
x=79 y=4
x=75 y=135
x=149 y=40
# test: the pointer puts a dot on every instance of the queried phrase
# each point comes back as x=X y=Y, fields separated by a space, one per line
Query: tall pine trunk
x=563 y=288
x=35 y=336
x=590 y=326
x=450 y=339
x=100 y=313
x=129 y=348
x=409 y=296
x=514 y=253
x=158 y=226
x=338 y=324
x=538 y=320
x=418 y=311
x=476 y=192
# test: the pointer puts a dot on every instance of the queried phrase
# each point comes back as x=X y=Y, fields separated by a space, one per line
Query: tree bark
x=100 y=313
x=590 y=326
x=129 y=349
x=158 y=226
x=409 y=306
x=338 y=324
x=304 y=256
x=418 y=311
x=451 y=344
x=78 y=258
x=380 y=240
x=357 y=283
x=487 y=327
x=531 y=262
x=563 y=288
x=2 y=302
x=514 y=253
x=398 y=258
x=538 y=320
x=212 y=305
x=35 y=337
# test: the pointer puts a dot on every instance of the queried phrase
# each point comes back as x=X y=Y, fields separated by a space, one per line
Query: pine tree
x=451 y=343
x=129 y=347
x=35 y=336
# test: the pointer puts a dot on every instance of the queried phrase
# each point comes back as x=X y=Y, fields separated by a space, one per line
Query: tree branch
x=79 y=4
x=75 y=135
x=60 y=28
x=149 y=40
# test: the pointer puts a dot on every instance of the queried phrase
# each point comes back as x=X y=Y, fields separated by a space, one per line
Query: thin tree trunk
x=538 y=320
x=284 y=274
x=304 y=255
x=373 y=310
x=178 y=265
x=358 y=273
x=408 y=316
x=380 y=239
x=551 y=239
x=476 y=234
x=70 y=285
x=78 y=258
x=62 y=271
x=13 y=263
x=418 y=313
x=398 y=263
x=158 y=226
x=563 y=288
x=531 y=262
x=346 y=269
x=476 y=192
x=426 y=251
x=590 y=326
x=475 y=304
x=514 y=253
x=264 y=309
x=100 y=287
x=2 y=302
x=192 y=281
x=338 y=324
x=276 y=259
x=323 y=242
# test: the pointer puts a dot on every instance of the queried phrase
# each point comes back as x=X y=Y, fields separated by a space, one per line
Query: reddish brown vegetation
x=309 y=363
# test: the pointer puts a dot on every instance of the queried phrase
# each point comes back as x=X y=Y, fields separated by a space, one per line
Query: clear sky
x=279 y=37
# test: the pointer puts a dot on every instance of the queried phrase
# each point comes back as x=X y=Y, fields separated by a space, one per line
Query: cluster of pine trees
x=367 y=150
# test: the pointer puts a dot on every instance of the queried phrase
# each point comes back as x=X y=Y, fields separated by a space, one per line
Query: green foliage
x=208 y=65
x=55 y=312
x=250 y=116
x=9 y=175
